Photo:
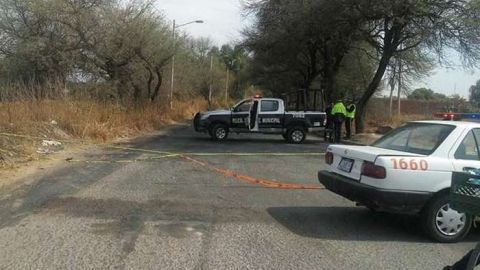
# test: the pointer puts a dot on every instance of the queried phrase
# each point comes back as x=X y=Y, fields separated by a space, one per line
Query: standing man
x=328 y=135
x=339 y=112
x=350 y=116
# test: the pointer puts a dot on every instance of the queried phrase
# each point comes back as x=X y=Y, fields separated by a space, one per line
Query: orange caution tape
x=252 y=180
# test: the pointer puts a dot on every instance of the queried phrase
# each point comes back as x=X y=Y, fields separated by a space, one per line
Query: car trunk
x=348 y=160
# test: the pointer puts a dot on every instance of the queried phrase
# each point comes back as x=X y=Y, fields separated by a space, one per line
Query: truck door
x=253 y=116
x=240 y=114
x=467 y=155
x=270 y=116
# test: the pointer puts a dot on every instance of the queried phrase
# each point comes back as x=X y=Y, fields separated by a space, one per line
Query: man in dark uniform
x=328 y=135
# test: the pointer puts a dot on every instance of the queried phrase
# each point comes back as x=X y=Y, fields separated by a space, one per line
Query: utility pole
x=211 y=80
x=173 y=67
x=226 y=86
x=172 y=80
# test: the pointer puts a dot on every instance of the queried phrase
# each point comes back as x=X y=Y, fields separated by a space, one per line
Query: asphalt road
x=126 y=209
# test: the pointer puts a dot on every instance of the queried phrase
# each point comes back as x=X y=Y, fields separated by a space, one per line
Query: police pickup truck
x=409 y=171
x=260 y=115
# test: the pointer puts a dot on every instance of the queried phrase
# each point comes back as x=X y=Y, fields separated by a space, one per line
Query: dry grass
x=83 y=121
x=373 y=121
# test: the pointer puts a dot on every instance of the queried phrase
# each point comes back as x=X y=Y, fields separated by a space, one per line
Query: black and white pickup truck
x=260 y=115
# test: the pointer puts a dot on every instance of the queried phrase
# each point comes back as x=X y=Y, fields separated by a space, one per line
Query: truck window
x=417 y=138
x=468 y=149
x=269 y=106
x=244 y=106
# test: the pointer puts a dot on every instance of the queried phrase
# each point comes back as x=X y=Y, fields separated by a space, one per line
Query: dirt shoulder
x=26 y=171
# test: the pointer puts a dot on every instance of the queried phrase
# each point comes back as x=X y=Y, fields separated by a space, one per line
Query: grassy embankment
x=79 y=121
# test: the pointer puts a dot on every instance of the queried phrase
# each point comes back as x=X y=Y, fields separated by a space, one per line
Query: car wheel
x=443 y=223
x=296 y=135
x=219 y=132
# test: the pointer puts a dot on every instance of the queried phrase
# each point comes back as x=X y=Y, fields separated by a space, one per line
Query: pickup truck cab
x=260 y=115
x=409 y=170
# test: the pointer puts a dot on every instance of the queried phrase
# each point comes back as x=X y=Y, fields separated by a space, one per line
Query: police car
x=260 y=115
x=409 y=170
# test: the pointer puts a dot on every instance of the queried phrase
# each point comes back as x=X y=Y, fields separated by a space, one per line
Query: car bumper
x=380 y=199
x=200 y=125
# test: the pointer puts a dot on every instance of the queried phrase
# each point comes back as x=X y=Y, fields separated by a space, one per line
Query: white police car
x=409 y=171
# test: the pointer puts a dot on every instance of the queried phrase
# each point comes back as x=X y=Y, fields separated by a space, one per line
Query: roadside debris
x=49 y=147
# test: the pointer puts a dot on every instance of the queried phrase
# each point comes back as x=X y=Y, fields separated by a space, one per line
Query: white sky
x=224 y=21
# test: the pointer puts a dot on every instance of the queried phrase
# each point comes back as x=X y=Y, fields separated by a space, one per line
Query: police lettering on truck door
x=240 y=115
x=269 y=117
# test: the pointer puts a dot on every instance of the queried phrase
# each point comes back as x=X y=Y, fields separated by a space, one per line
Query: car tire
x=219 y=132
x=296 y=135
x=444 y=224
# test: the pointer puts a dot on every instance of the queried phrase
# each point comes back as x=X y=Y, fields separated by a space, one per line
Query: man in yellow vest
x=350 y=117
x=339 y=113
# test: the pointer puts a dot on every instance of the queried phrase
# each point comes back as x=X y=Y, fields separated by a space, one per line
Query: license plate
x=346 y=165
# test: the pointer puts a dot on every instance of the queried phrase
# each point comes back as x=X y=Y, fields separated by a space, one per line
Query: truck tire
x=444 y=224
x=219 y=132
x=296 y=135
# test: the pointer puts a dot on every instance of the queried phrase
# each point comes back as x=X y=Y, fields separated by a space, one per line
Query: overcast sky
x=224 y=21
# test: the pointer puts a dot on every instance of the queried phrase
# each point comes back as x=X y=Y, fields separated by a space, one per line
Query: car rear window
x=416 y=138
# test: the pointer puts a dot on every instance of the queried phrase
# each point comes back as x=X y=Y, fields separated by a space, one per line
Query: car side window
x=269 y=106
x=468 y=149
x=244 y=107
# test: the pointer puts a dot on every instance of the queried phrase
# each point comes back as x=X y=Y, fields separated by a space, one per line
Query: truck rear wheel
x=296 y=135
x=444 y=224
x=219 y=132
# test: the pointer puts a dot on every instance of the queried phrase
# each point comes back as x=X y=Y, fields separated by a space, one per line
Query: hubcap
x=221 y=133
x=297 y=136
x=449 y=221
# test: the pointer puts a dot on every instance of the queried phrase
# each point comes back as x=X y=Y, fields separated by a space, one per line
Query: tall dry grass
x=375 y=120
x=84 y=120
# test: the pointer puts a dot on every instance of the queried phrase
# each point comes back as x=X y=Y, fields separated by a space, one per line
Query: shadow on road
x=64 y=181
x=252 y=139
x=352 y=224
x=184 y=139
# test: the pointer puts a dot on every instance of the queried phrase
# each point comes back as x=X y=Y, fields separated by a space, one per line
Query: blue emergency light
x=471 y=116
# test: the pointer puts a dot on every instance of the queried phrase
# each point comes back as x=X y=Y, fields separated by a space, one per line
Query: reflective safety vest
x=339 y=108
x=351 y=114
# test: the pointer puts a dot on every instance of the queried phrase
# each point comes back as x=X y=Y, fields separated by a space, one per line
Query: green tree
x=475 y=94
x=295 y=43
x=422 y=94
x=125 y=43
x=395 y=27
x=235 y=59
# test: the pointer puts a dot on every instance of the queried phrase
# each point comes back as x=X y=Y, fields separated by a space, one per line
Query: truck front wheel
x=296 y=135
x=219 y=132
x=443 y=223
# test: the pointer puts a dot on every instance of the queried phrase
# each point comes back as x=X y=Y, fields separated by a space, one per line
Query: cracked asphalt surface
x=171 y=213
